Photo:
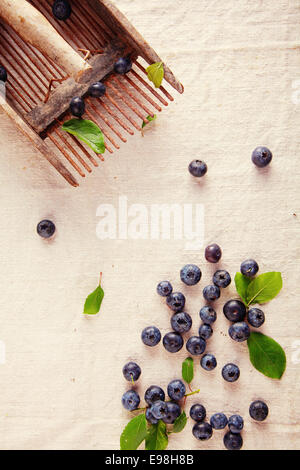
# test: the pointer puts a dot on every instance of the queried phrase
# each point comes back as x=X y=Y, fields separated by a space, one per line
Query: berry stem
x=192 y=393
x=100 y=279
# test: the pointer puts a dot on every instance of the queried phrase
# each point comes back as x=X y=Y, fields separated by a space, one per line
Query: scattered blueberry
x=196 y=345
x=197 y=168
x=213 y=253
x=208 y=362
x=173 y=342
x=198 y=412
x=123 y=65
x=255 y=317
x=230 y=372
x=45 y=228
x=205 y=331
x=234 y=310
x=235 y=424
x=258 y=410
x=261 y=156
x=164 y=288
x=153 y=394
x=190 y=274
x=77 y=106
x=131 y=371
x=173 y=411
x=130 y=400
x=249 y=267
x=181 y=322
x=218 y=421
x=239 y=331
x=233 y=441
x=3 y=74
x=176 y=301
x=211 y=293
x=97 y=89
x=221 y=278
x=208 y=314
x=159 y=409
x=176 y=390
x=150 y=418
x=202 y=431
x=151 y=336
x=61 y=9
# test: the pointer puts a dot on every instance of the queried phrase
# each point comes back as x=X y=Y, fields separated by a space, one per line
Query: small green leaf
x=150 y=118
x=179 y=423
x=264 y=288
x=93 y=301
x=134 y=433
x=241 y=284
x=87 y=131
x=188 y=370
x=157 y=438
x=266 y=355
x=156 y=73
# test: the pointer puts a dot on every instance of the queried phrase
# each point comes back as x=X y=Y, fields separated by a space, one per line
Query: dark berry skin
x=221 y=278
x=205 y=331
x=258 y=410
x=130 y=400
x=255 y=317
x=208 y=362
x=211 y=293
x=261 y=156
x=234 y=310
x=230 y=372
x=77 y=106
x=45 y=228
x=123 y=65
x=197 y=168
x=198 y=412
x=218 y=421
x=239 y=331
x=176 y=390
x=61 y=9
x=249 y=267
x=235 y=424
x=181 y=322
x=3 y=74
x=153 y=394
x=150 y=418
x=173 y=411
x=164 y=288
x=176 y=301
x=208 y=314
x=97 y=89
x=233 y=441
x=190 y=274
x=151 y=336
x=202 y=431
x=196 y=345
x=159 y=409
x=173 y=342
x=131 y=371
x=213 y=253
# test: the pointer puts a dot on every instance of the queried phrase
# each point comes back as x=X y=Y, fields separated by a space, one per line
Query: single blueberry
x=230 y=372
x=233 y=441
x=176 y=301
x=45 y=228
x=151 y=336
x=150 y=418
x=131 y=371
x=221 y=278
x=173 y=342
x=239 y=331
x=77 y=106
x=190 y=274
x=197 y=168
x=97 y=89
x=164 y=288
x=261 y=156
x=213 y=253
x=258 y=410
x=235 y=424
x=3 y=74
x=205 y=331
x=176 y=390
x=208 y=362
x=255 y=317
x=173 y=411
x=61 y=9
x=249 y=267
x=234 y=310
x=181 y=322
x=198 y=412
x=123 y=65
x=218 y=421
x=208 y=314
x=153 y=394
x=196 y=345
x=159 y=409
x=211 y=293
x=202 y=431
x=130 y=400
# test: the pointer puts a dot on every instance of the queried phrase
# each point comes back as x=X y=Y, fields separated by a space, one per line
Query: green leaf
x=179 y=423
x=157 y=438
x=156 y=73
x=150 y=118
x=93 y=301
x=241 y=284
x=264 y=288
x=87 y=131
x=266 y=355
x=134 y=433
x=188 y=370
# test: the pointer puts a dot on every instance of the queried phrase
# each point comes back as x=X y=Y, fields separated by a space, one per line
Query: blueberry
x=208 y=314
x=234 y=310
x=164 y=288
x=233 y=441
x=205 y=331
x=150 y=418
x=190 y=274
x=261 y=156
x=153 y=394
x=173 y=342
x=173 y=411
x=176 y=301
x=239 y=331
x=256 y=317
x=258 y=410
x=130 y=400
x=176 y=390
x=235 y=424
x=97 y=89
x=196 y=345
x=131 y=371
x=77 y=106
x=123 y=65
x=221 y=278
x=197 y=168
x=218 y=421
x=151 y=336
x=230 y=372
x=159 y=409
x=202 y=431
x=45 y=228
x=208 y=362
x=211 y=293
x=61 y=9
x=181 y=322
x=198 y=412
x=3 y=74
x=249 y=267
x=213 y=253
